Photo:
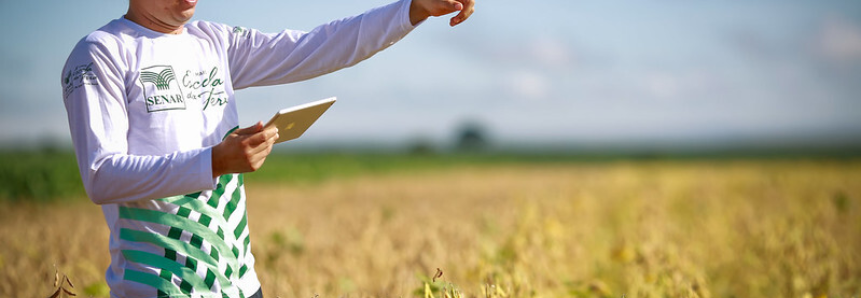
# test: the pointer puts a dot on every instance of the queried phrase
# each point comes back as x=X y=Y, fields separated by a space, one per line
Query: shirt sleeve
x=259 y=59
x=94 y=94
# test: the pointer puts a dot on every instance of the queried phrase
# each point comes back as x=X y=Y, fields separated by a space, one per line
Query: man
x=152 y=113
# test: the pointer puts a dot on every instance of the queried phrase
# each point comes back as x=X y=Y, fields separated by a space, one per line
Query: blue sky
x=562 y=71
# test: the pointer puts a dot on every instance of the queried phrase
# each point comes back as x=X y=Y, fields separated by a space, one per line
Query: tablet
x=293 y=122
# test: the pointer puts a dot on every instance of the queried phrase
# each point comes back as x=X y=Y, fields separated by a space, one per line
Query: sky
x=580 y=73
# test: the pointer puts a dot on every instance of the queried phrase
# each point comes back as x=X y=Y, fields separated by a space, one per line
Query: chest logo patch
x=161 y=89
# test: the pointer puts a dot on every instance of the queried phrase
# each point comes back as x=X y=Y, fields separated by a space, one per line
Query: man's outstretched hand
x=243 y=150
x=423 y=9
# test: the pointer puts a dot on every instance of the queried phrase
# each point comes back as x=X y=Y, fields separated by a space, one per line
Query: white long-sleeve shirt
x=145 y=109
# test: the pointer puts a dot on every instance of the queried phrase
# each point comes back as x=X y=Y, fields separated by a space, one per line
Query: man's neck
x=153 y=23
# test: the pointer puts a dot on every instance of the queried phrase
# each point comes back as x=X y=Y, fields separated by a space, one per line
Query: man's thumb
x=458 y=6
x=257 y=127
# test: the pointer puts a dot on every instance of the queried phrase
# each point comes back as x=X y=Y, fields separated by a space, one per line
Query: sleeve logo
x=79 y=76
x=161 y=89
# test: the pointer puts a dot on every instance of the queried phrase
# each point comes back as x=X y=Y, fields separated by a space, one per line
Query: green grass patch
x=46 y=176
x=40 y=176
x=314 y=168
x=51 y=175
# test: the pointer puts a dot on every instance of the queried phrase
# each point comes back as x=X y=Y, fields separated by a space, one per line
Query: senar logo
x=161 y=79
x=161 y=89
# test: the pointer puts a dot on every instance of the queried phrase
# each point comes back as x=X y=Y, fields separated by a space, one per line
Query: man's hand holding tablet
x=245 y=149
x=293 y=122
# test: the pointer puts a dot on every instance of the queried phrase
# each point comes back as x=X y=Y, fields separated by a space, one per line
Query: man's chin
x=186 y=15
x=187 y=6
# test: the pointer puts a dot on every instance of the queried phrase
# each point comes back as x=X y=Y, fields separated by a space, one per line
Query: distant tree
x=471 y=137
x=422 y=146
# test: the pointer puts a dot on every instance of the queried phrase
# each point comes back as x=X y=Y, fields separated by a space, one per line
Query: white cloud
x=840 y=40
x=551 y=52
x=662 y=86
x=530 y=85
